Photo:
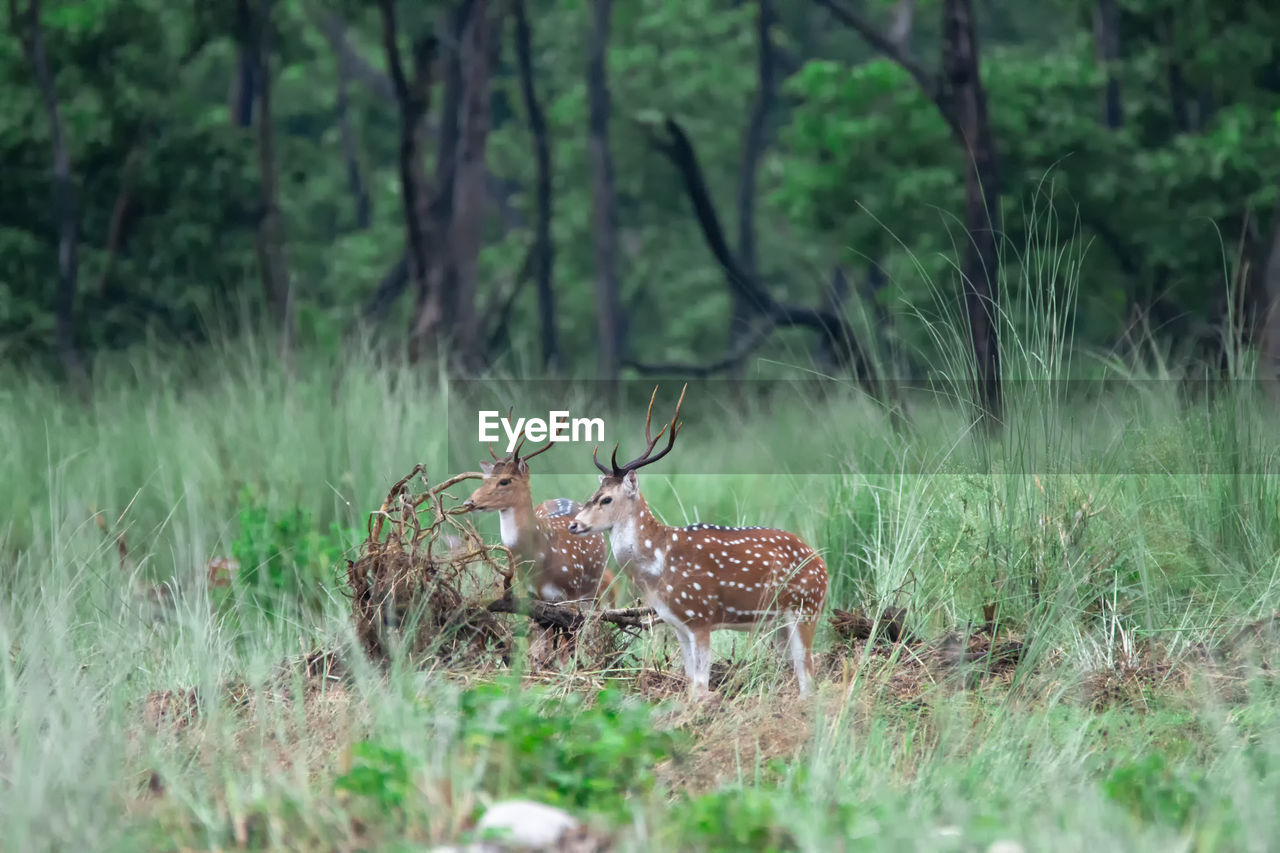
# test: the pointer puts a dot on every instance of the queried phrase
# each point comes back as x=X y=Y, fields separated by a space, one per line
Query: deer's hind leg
x=800 y=631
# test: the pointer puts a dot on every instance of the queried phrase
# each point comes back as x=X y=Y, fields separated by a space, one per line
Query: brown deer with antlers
x=565 y=567
x=705 y=577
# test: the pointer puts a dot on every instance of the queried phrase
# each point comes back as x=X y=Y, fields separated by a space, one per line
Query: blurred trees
x=437 y=172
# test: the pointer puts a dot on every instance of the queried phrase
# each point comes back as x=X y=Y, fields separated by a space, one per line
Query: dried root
x=420 y=570
x=426 y=582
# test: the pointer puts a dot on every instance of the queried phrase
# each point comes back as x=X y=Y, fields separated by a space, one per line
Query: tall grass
x=1104 y=527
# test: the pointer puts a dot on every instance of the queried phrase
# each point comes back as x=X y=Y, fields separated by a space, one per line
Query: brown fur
x=564 y=567
x=704 y=577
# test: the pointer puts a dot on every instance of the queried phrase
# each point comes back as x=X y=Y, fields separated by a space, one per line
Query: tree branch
x=832 y=326
x=891 y=48
x=352 y=63
x=568 y=617
x=700 y=371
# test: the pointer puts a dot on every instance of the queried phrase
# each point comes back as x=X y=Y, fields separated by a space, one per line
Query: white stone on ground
x=526 y=823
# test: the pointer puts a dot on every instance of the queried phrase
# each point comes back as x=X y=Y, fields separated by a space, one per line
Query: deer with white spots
x=705 y=577
x=565 y=567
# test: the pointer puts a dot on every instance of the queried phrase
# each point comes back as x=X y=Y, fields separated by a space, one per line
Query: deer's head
x=506 y=481
x=618 y=497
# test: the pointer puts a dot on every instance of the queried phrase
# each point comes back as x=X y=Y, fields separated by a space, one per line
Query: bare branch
x=929 y=82
x=569 y=617
x=903 y=23
x=832 y=326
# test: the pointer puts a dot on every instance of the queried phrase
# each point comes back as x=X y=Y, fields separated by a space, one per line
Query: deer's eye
x=604 y=501
x=506 y=482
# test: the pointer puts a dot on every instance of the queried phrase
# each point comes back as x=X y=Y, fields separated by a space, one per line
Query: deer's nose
x=468 y=504
x=575 y=527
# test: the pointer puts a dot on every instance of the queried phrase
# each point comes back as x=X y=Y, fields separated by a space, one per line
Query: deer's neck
x=641 y=543
x=516 y=525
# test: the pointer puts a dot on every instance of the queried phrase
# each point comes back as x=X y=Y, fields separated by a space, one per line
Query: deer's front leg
x=700 y=677
x=685 y=638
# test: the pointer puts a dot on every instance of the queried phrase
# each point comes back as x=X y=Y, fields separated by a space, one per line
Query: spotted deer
x=705 y=577
x=565 y=567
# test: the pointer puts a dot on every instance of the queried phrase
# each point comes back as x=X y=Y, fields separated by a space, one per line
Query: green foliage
x=379 y=774
x=1155 y=792
x=1164 y=208
x=284 y=555
x=732 y=819
x=581 y=752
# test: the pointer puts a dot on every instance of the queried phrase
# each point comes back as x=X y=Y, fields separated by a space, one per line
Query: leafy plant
x=284 y=555
x=379 y=774
x=580 y=752
x=732 y=819
x=1153 y=791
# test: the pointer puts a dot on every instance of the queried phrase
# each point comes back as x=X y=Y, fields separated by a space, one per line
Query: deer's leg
x=800 y=640
x=685 y=637
x=701 y=675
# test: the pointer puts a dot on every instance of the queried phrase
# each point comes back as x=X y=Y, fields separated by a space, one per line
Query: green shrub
x=1154 y=792
x=285 y=556
x=578 y=752
x=731 y=819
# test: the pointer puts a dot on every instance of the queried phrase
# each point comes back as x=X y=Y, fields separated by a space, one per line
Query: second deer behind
x=565 y=567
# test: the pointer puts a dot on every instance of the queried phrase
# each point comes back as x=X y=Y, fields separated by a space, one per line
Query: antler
x=652 y=441
x=514 y=457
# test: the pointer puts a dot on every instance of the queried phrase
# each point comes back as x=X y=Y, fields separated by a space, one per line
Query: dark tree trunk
x=351 y=150
x=1271 y=314
x=980 y=264
x=1179 y=96
x=962 y=102
x=1106 y=30
x=467 y=222
x=244 y=83
x=412 y=100
x=753 y=150
x=604 y=195
x=65 y=205
x=543 y=247
x=271 y=257
x=448 y=138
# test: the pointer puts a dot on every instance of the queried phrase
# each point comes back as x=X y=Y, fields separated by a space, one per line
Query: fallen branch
x=569 y=617
x=853 y=624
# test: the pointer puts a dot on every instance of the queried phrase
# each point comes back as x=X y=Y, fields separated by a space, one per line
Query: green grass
x=1117 y=540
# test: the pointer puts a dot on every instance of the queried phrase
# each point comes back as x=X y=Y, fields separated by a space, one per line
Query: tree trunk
x=1271 y=315
x=351 y=150
x=543 y=246
x=64 y=192
x=448 y=138
x=1106 y=30
x=754 y=145
x=413 y=101
x=603 y=195
x=980 y=265
x=467 y=222
x=244 y=82
x=271 y=257
x=1179 y=95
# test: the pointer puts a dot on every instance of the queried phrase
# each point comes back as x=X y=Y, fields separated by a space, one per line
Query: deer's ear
x=486 y=468
x=602 y=476
x=522 y=468
x=630 y=487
